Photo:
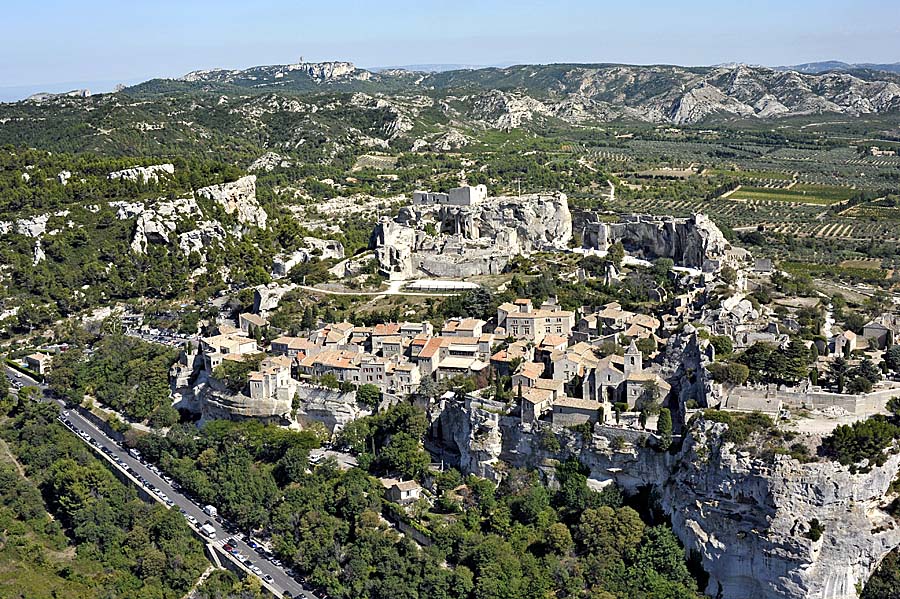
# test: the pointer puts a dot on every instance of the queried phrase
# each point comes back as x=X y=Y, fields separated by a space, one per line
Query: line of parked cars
x=64 y=418
x=229 y=545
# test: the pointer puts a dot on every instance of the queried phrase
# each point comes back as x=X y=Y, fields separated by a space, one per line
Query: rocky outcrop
x=747 y=519
x=332 y=408
x=448 y=142
x=316 y=249
x=239 y=199
x=462 y=241
x=685 y=365
x=196 y=240
x=39 y=255
x=504 y=110
x=695 y=241
x=267 y=297
x=269 y=162
x=155 y=224
x=33 y=226
x=145 y=174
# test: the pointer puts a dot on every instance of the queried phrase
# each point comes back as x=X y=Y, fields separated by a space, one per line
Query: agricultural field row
x=803 y=193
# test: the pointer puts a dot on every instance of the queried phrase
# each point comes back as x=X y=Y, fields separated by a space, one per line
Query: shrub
x=740 y=426
x=864 y=440
x=815 y=531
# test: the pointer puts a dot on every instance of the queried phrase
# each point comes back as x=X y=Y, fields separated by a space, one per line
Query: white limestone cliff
x=143 y=173
x=239 y=199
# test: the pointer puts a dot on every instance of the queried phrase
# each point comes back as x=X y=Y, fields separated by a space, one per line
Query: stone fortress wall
x=865 y=404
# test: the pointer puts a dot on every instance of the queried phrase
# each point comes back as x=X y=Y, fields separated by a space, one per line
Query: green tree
x=664 y=428
x=838 y=370
x=892 y=358
x=616 y=254
x=369 y=395
x=605 y=531
x=661 y=552
x=559 y=539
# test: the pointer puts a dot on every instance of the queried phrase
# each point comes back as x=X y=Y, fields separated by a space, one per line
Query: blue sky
x=65 y=42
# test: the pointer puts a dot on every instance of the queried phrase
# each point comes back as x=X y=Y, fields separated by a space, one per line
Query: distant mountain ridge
x=406 y=104
x=580 y=92
x=836 y=65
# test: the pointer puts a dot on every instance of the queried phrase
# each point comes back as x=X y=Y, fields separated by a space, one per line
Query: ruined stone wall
x=860 y=405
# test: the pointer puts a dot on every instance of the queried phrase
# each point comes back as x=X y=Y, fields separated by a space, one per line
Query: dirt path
x=8 y=456
x=200 y=581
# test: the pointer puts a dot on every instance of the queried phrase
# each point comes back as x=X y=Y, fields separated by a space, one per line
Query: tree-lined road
x=148 y=477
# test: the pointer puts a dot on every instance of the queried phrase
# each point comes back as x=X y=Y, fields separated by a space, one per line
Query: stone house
x=293 y=346
x=38 y=362
x=521 y=320
x=251 y=323
x=569 y=411
x=400 y=491
x=535 y=403
x=463 y=327
x=527 y=374
x=883 y=331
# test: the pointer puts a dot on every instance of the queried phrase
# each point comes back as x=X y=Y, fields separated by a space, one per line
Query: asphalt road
x=141 y=474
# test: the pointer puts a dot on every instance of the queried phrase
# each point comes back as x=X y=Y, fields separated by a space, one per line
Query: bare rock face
x=145 y=174
x=703 y=101
x=320 y=249
x=686 y=365
x=196 y=240
x=238 y=198
x=39 y=255
x=267 y=297
x=695 y=241
x=126 y=210
x=504 y=110
x=449 y=142
x=332 y=408
x=34 y=226
x=750 y=520
x=155 y=224
x=269 y=162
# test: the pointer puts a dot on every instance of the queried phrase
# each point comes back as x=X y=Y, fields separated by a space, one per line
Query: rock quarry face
x=746 y=518
x=470 y=240
x=238 y=198
x=692 y=242
x=155 y=224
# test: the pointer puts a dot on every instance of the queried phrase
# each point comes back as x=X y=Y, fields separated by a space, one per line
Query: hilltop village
x=639 y=397
x=616 y=387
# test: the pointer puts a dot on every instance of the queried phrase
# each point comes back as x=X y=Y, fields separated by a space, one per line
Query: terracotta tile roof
x=388 y=328
x=534 y=395
x=531 y=370
x=431 y=347
x=579 y=404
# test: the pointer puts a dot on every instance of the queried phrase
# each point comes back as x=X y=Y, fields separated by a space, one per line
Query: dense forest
x=522 y=539
x=72 y=529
